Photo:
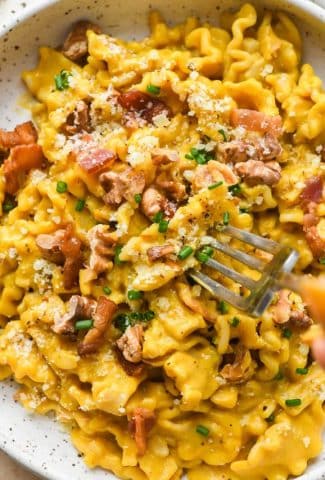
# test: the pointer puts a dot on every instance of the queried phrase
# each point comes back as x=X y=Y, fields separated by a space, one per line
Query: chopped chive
x=322 y=261
x=235 y=322
x=223 y=133
x=153 y=89
x=61 y=187
x=235 y=190
x=137 y=198
x=122 y=322
x=62 y=80
x=204 y=254
x=149 y=315
x=201 y=156
x=302 y=371
x=8 y=206
x=202 y=430
x=243 y=209
x=226 y=218
x=279 y=376
x=80 y=205
x=158 y=217
x=117 y=260
x=293 y=402
x=286 y=333
x=163 y=226
x=134 y=294
x=223 y=307
x=215 y=185
x=271 y=418
x=185 y=252
x=107 y=290
x=83 y=324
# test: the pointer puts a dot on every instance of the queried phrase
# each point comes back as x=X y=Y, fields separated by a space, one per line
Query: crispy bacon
x=102 y=317
x=50 y=246
x=141 y=105
x=71 y=249
x=23 y=134
x=313 y=191
x=93 y=159
x=21 y=159
x=75 y=46
x=141 y=423
x=256 y=121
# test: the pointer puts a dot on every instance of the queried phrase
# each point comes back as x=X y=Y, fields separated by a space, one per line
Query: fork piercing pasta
x=139 y=151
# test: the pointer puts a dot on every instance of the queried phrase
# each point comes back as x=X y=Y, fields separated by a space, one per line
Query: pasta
x=142 y=149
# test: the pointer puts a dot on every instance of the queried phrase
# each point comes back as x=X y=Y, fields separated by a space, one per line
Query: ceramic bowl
x=38 y=442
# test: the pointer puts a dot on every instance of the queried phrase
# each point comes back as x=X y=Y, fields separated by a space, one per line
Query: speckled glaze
x=40 y=443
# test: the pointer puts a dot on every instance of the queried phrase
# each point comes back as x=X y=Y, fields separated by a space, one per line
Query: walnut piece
x=122 y=186
x=130 y=344
x=239 y=370
x=78 y=308
x=255 y=172
x=75 y=47
x=102 y=247
x=160 y=251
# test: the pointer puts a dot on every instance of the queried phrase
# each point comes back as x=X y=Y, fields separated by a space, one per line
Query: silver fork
x=274 y=274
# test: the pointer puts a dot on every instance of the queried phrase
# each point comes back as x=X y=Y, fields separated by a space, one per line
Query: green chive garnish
x=61 y=187
x=137 y=198
x=149 y=315
x=215 y=185
x=243 y=210
x=223 y=133
x=235 y=322
x=201 y=156
x=293 y=402
x=223 y=307
x=83 y=324
x=226 y=218
x=286 y=333
x=117 y=260
x=271 y=418
x=134 y=294
x=204 y=254
x=163 y=226
x=322 y=261
x=8 y=206
x=279 y=376
x=122 y=322
x=153 y=89
x=185 y=252
x=302 y=371
x=62 y=80
x=234 y=189
x=80 y=205
x=202 y=430
x=107 y=290
x=158 y=217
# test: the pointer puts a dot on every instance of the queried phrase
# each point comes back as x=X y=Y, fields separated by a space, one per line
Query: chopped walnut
x=78 y=308
x=102 y=243
x=164 y=156
x=153 y=202
x=171 y=185
x=239 y=370
x=264 y=149
x=122 y=186
x=21 y=159
x=283 y=312
x=131 y=343
x=78 y=120
x=196 y=305
x=212 y=172
x=255 y=172
x=103 y=316
x=75 y=47
x=141 y=423
x=24 y=134
x=160 y=252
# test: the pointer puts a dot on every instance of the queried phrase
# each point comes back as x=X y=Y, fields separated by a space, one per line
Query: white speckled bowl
x=37 y=442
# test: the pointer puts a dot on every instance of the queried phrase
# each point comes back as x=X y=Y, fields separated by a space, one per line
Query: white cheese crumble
x=267 y=70
x=306 y=441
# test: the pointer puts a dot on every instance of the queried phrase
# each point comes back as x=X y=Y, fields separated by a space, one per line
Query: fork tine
x=251 y=239
x=218 y=290
x=229 y=272
x=242 y=257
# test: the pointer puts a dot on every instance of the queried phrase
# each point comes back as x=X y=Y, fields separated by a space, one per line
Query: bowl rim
x=315 y=10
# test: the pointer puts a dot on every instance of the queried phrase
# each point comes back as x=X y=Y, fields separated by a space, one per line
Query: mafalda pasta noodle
x=141 y=150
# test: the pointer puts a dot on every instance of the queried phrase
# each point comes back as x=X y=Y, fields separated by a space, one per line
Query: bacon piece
x=160 y=251
x=50 y=246
x=102 y=317
x=21 y=159
x=130 y=344
x=78 y=308
x=78 y=120
x=131 y=369
x=93 y=159
x=153 y=202
x=255 y=172
x=23 y=134
x=102 y=243
x=140 y=105
x=164 y=156
x=253 y=120
x=313 y=191
x=212 y=172
x=71 y=249
x=75 y=46
x=265 y=149
x=122 y=186
x=141 y=423
x=239 y=370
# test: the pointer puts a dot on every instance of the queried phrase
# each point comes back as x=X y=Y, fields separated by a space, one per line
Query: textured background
x=10 y=470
